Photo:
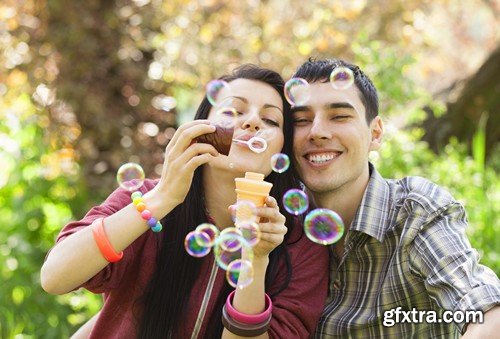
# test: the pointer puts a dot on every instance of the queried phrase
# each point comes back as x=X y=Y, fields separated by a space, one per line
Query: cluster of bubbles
x=321 y=225
x=232 y=247
x=298 y=91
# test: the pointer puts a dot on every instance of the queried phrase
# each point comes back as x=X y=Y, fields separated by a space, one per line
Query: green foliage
x=472 y=182
x=33 y=207
x=53 y=159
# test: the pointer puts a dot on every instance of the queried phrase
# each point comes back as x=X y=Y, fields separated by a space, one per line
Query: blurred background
x=86 y=86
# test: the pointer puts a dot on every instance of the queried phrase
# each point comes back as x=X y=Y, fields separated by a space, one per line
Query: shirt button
x=336 y=284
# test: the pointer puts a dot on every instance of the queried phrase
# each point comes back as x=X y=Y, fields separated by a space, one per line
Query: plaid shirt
x=407 y=248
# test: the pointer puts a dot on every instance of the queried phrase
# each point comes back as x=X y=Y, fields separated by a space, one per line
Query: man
x=404 y=259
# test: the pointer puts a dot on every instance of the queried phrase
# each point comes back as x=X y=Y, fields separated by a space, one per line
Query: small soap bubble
x=342 y=78
x=197 y=244
x=280 y=162
x=295 y=201
x=244 y=210
x=130 y=176
x=226 y=117
x=224 y=257
x=250 y=231
x=297 y=91
x=230 y=239
x=214 y=89
x=323 y=226
x=240 y=273
x=210 y=230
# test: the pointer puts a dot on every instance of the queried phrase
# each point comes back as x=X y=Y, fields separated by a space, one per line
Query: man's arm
x=489 y=329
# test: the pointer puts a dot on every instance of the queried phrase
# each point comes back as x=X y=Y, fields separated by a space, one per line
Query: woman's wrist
x=158 y=203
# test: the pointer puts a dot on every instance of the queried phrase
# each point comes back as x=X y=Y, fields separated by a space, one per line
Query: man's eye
x=300 y=120
x=340 y=117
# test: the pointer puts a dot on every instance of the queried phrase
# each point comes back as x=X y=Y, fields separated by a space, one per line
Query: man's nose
x=319 y=130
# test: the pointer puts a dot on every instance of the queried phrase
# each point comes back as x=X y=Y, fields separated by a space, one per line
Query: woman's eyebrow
x=272 y=106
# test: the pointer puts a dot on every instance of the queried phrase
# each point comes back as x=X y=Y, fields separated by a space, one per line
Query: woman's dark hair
x=167 y=294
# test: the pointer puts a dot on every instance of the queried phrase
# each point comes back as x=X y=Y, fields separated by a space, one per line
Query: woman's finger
x=185 y=126
x=272 y=214
x=185 y=139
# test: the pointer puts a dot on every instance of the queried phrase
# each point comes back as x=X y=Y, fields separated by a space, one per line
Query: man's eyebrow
x=296 y=109
x=339 y=105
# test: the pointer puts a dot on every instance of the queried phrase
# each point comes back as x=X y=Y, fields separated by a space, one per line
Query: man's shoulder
x=420 y=194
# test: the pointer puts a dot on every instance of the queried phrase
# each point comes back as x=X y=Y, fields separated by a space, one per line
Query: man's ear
x=377 y=132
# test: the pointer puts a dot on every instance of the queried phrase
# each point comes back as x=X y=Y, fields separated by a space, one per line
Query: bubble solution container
x=251 y=188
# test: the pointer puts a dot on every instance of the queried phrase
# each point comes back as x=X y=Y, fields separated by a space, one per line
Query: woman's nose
x=252 y=122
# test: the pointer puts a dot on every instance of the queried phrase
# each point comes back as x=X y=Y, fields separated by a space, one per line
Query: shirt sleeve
x=297 y=309
x=110 y=276
x=442 y=256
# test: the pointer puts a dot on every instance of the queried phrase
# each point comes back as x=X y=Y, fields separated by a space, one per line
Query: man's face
x=332 y=138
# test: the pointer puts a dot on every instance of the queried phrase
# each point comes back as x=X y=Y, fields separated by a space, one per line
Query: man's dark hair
x=320 y=70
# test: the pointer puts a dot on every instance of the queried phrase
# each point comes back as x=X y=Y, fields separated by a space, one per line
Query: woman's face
x=259 y=112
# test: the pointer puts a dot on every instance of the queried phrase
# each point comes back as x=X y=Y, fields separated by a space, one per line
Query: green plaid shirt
x=406 y=248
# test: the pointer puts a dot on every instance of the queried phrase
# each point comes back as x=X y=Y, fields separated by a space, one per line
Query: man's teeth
x=321 y=158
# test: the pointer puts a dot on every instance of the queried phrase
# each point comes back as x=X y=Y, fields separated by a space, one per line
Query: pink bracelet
x=248 y=318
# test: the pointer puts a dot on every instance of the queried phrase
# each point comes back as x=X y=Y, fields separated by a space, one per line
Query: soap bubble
x=210 y=230
x=342 y=78
x=295 y=201
x=240 y=273
x=130 y=176
x=214 y=88
x=280 y=162
x=323 y=226
x=230 y=239
x=197 y=244
x=224 y=257
x=250 y=231
x=226 y=117
x=297 y=91
x=244 y=210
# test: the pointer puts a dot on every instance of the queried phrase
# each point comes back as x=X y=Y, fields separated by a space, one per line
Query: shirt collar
x=372 y=216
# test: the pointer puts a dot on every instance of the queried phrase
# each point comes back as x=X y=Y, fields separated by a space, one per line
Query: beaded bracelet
x=146 y=214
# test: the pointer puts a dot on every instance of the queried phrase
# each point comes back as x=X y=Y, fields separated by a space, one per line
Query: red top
x=295 y=310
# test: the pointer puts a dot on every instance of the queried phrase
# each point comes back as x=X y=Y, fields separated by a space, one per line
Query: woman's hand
x=182 y=158
x=272 y=228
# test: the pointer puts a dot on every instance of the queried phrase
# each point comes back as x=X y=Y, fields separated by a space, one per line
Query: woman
x=157 y=290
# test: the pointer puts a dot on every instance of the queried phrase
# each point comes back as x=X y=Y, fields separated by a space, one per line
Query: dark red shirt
x=295 y=310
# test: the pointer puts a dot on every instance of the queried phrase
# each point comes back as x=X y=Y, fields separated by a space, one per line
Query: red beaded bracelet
x=103 y=243
x=248 y=318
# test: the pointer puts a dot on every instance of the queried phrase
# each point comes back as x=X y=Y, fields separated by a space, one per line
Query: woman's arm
x=84 y=331
x=251 y=299
x=77 y=258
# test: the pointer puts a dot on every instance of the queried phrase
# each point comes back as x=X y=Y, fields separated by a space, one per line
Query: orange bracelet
x=103 y=243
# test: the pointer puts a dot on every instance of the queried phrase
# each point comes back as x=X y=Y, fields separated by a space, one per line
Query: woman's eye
x=271 y=122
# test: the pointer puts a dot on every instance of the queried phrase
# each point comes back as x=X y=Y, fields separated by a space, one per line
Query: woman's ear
x=377 y=132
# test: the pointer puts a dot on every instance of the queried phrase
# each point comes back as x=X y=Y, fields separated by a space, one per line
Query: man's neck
x=344 y=200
